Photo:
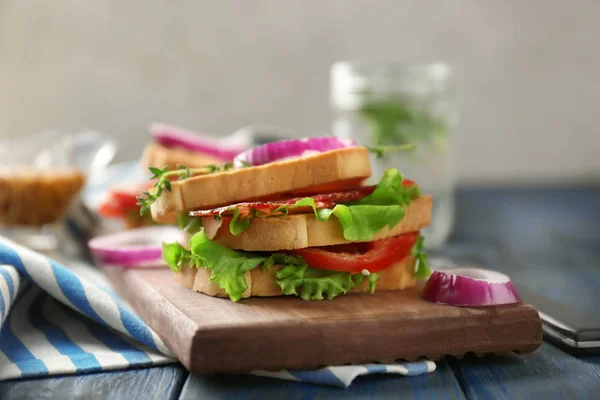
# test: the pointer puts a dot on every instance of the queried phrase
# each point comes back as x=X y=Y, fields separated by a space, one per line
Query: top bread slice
x=325 y=172
x=157 y=155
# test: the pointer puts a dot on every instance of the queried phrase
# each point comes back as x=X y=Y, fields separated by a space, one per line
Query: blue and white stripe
x=79 y=294
x=42 y=331
x=343 y=376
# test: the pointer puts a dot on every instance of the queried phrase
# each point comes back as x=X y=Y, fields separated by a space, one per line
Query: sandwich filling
x=327 y=275
x=312 y=273
x=362 y=212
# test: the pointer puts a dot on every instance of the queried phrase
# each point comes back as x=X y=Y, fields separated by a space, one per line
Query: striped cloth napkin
x=56 y=320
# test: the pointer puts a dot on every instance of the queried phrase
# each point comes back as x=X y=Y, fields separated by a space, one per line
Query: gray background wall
x=529 y=71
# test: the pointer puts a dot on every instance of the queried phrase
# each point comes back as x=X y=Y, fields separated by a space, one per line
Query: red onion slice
x=140 y=247
x=224 y=149
x=283 y=149
x=470 y=287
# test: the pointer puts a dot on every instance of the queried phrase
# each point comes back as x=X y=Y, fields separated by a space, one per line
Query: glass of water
x=388 y=103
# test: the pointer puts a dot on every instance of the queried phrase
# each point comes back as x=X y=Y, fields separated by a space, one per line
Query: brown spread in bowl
x=36 y=197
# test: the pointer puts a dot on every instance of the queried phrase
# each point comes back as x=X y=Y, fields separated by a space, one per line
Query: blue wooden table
x=548 y=240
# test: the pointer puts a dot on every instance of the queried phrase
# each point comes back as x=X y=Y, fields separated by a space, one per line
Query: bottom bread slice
x=398 y=276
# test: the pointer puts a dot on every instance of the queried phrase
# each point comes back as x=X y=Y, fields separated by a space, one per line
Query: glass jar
x=387 y=103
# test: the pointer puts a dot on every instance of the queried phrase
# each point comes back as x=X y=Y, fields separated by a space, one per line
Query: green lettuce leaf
x=363 y=219
x=189 y=224
x=176 y=256
x=282 y=259
x=294 y=278
x=315 y=284
x=420 y=256
x=373 y=281
x=192 y=225
x=229 y=266
x=390 y=191
x=237 y=224
x=360 y=222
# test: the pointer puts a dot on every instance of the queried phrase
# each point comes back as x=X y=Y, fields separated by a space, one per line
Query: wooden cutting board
x=216 y=335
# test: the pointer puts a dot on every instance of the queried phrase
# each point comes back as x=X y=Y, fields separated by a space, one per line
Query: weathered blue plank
x=526 y=218
x=546 y=240
x=439 y=385
x=148 y=383
x=546 y=374
x=518 y=231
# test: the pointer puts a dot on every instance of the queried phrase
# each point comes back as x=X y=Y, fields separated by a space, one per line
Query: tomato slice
x=122 y=201
x=111 y=209
x=118 y=204
x=354 y=257
x=126 y=199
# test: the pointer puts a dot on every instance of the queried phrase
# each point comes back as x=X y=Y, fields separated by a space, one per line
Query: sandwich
x=172 y=146
x=293 y=217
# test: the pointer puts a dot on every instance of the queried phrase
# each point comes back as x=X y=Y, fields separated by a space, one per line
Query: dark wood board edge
x=177 y=333
x=518 y=330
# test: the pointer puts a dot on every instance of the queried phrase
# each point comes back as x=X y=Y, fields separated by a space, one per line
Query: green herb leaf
x=164 y=183
x=381 y=151
x=396 y=121
x=156 y=172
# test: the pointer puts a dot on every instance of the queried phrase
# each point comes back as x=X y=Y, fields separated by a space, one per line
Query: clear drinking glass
x=387 y=103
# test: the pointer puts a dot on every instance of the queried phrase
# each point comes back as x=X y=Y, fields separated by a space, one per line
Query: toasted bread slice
x=262 y=284
x=300 y=231
x=325 y=172
x=156 y=155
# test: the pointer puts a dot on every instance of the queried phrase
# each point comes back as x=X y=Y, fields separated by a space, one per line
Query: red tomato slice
x=110 y=209
x=126 y=199
x=354 y=257
x=122 y=200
